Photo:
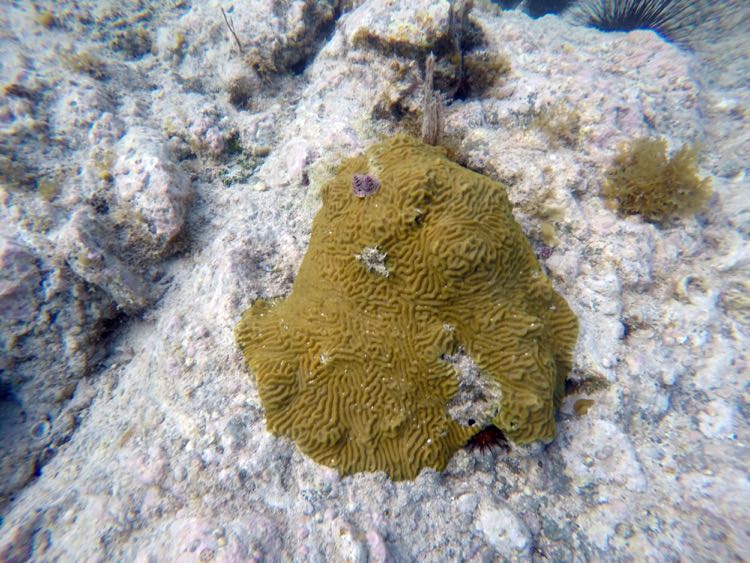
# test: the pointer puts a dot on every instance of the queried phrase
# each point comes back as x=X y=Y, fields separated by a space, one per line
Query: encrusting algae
x=355 y=366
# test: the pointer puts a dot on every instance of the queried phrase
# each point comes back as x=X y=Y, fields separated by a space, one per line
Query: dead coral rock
x=44 y=352
x=356 y=366
x=208 y=134
x=294 y=158
x=84 y=243
x=19 y=281
x=408 y=28
x=278 y=36
x=18 y=542
x=76 y=108
x=152 y=192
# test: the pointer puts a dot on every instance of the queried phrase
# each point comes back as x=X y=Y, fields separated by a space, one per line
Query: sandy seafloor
x=156 y=180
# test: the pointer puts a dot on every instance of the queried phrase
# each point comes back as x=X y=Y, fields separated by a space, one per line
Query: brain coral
x=356 y=365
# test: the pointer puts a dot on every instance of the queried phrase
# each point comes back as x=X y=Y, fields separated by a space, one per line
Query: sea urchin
x=669 y=18
x=488 y=439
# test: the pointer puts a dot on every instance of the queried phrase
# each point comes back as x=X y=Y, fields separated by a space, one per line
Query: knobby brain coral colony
x=412 y=258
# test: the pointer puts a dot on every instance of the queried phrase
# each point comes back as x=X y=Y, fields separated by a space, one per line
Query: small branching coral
x=643 y=181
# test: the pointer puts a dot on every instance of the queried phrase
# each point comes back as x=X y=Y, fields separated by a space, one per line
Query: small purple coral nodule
x=364 y=185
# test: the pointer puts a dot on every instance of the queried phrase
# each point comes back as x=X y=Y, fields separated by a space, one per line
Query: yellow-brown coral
x=355 y=365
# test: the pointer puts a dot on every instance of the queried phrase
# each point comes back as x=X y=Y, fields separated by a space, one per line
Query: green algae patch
x=357 y=365
x=644 y=181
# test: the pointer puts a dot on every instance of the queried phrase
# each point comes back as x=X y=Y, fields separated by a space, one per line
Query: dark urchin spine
x=672 y=19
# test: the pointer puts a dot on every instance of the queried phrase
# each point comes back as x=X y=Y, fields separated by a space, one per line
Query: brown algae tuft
x=643 y=181
x=582 y=406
